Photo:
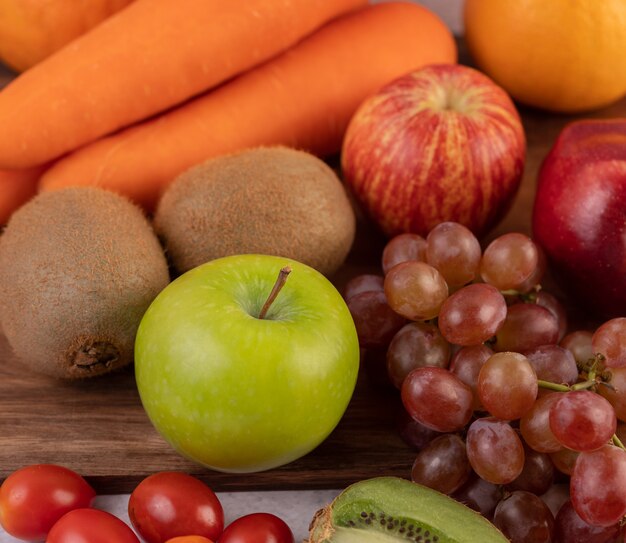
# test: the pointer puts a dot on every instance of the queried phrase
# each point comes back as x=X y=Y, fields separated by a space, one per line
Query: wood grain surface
x=99 y=428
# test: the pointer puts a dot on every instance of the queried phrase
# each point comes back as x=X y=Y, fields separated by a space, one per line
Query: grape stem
x=280 y=283
x=618 y=443
x=566 y=388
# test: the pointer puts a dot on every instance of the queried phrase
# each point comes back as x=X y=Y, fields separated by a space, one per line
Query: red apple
x=579 y=216
x=443 y=143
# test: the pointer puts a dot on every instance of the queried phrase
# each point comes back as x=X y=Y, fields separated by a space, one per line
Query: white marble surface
x=296 y=508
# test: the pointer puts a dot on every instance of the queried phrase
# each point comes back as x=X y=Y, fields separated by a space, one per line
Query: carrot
x=142 y=60
x=303 y=98
x=16 y=188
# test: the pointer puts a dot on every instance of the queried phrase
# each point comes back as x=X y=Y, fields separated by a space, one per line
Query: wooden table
x=99 y=428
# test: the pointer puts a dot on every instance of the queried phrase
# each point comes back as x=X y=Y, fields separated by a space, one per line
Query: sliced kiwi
x=270 y=200
x=78 y=269
x=387 y=509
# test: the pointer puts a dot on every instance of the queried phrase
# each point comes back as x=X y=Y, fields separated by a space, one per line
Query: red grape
x=507 y=385
x=535 y=425
x=537 y=475
x=363 y=283
x=547 y=300
x=526 y=327
x=509 y=262
x=454 y=251
x=479 y=495
x=556 y=496
x=495 y=452
x=442 y=464
x=413 y=433
x=403 y=248
x=570 y=528
x=579 y=344
x=376 y=323
x=416 y=345
x=582 y=420
x=472 y=315
x=564 y=460
x=610 y=341
x=437 y=399
x=466 y=364
x=524 y=518
x=553 y=363
x=415 y=290
x=598 y=486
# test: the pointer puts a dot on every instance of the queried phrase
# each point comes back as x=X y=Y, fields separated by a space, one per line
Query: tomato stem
x=280 y=283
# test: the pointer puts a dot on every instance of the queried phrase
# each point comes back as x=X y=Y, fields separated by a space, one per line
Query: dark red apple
x=443 y=143
x=579 y=216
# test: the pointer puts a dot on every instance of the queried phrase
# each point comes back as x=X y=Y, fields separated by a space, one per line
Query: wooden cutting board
x=99 y=428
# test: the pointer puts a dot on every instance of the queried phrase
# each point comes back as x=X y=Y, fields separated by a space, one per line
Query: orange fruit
x=31 y=30
x=560 y=55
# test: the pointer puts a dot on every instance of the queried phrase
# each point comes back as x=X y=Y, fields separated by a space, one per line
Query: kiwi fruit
x=386 y=509
x=78 y=269
x=269 y=200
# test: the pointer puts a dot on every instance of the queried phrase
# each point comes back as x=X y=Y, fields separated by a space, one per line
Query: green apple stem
x=280 y=283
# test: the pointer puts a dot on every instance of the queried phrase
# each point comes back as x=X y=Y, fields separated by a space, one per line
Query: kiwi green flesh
x=391 y=509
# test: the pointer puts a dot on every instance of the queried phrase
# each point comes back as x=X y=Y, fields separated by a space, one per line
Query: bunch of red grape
x=500 y=399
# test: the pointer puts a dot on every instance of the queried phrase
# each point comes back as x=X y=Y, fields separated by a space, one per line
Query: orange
x=560 y=55
x=31 y=30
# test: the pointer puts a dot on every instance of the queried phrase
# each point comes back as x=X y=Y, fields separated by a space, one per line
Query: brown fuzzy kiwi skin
x=78 y=269
x=268 y=200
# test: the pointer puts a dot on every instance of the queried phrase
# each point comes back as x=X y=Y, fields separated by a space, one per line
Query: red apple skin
x=579 y=217
x=443 y=143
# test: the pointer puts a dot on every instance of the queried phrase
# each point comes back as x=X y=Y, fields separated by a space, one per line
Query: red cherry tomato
x=90 y=526
x=257 y=528
x=33 y=498
x=170 y=504
x=190 y=539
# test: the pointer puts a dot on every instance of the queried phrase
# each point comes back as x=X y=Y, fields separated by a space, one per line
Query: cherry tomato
x=170 y=504
x=90 y=526
x=190 y=539
x=257 y=528
x=33 y=498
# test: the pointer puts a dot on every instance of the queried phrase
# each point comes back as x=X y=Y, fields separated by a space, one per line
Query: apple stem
x=280 y=283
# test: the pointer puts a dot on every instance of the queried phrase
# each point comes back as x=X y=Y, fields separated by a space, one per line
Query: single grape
x=579 y=344
x=535 y=278
x=616 y=393
x=598 y=486
x=553 y=363
x=564 y=460
x=550 y=302
x=537 y=475
x=376 y=323
x=509 y=261
x=403 y=248
x=582 y=420
x=479 y=495
x=442 y=465
x=415 y=290
x=524 y=518
x=454 y=251
x=610 y=341
x=472 y=314
x=416 y=345
x=495 y=452
x=414 y=434
x=437 y=399
x=535 y=425
x=526 y=327
x=363 y=283
x=507 y=385
x=570 y=528
x=466 y=364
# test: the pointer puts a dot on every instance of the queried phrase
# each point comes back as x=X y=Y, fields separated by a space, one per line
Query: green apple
x=236 y=392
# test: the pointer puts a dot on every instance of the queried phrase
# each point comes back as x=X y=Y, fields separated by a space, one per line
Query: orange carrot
x=142 y=60
x=16 y=188
x=303 y=98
